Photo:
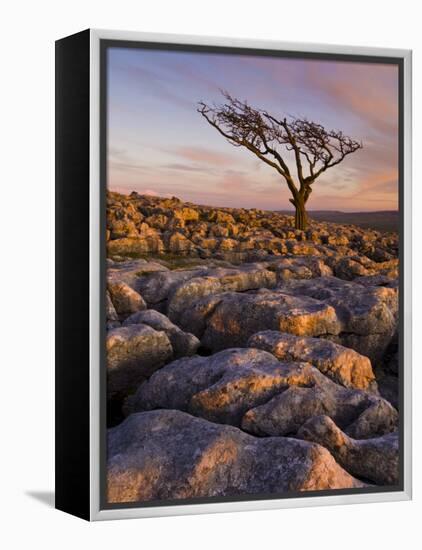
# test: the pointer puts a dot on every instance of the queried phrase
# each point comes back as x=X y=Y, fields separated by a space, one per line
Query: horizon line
x=150 y=195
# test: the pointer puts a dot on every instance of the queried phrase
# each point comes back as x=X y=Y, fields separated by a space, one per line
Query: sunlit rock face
x=172 y=455
x=250 y=388
x=341 y=364
x=124 y=299
x=142 y=225
x=367 y=314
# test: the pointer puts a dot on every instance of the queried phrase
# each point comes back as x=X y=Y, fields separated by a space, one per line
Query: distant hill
x=383 y=220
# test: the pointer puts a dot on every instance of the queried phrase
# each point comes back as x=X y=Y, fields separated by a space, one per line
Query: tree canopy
x=314 y=148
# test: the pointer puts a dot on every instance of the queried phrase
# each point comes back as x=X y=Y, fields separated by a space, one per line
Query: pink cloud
x=356 y=87
x=207 y=156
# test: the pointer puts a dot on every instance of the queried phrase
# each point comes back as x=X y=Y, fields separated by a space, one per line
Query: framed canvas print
x=233 y=275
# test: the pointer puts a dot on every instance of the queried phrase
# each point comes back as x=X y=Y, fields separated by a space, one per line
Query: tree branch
x=263 y=134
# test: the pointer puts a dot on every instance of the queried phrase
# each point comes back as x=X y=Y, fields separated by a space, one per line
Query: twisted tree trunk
x=301 y=217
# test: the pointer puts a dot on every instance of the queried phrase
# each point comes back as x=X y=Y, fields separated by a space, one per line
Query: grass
x=171 y=261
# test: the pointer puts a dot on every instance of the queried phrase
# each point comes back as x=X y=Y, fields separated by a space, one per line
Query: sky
x=159 y=144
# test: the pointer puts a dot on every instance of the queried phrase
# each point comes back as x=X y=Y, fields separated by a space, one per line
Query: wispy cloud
x=204 y=155
x=366 y=90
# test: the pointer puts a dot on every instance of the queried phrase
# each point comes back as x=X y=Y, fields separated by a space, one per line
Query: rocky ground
x=244 y=356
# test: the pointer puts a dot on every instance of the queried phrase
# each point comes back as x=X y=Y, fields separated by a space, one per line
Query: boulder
x=343 y=365
x=240 y=315
x=187 y=214
x=305 y=267
x=130 y=272
x=288 y=410
x=190 y=291
x=183 y=343
x=374 y=459
x=220 y=217
x=219 y=388
x=122 y=228
x=367 y=315
x=249 y=384
x=156 y=287
x=179 y=244
x=112 y=319
x=379 y=418
x=303 y=248
x=135 y=247
x=125 y=300
x=194 y=318
x=179 y=289
x=166 y=455
x=390 y=281
x=217 y=280
x=350 y=268
x=133 y=353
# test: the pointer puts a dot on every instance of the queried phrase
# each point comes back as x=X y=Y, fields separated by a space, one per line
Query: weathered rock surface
x=183 y=343
x=238 y=316
x=375 y=459
x=225 y=306
x=172 y=455
x=133 y=354
x=131 y=271
x=367 y=315
x=217 y=281
x=289 y=409
x=273 y=398
x=299 y=267
x=157 y=287
x=178 y=290
x=140 y=224
x=220 y=387
x=125 y=300
x=219 y=278
x=112 y=318
x=343 y=365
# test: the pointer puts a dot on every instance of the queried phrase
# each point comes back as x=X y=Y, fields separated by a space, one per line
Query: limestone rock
x=156 y=287
x=179 y=244
x=367 y=315
x=179 y=289
x=130 y=272
x=172 y=455
x=374 y=459
x=343 y=365
x=112 y=318
x=299 y=267
x=187 y=214
x=133 y=354
x=289 y=409
x=220 y=217
x=349 y=268
x=217 y=281
x=240 y=315
x=140 y=224
x=125 y=299
x=252 y=384
x=219 y=388
x=183 y=343
x=135 y=247
x=122 y=228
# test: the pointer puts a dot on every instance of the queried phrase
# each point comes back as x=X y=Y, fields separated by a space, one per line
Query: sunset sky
x=159 y=144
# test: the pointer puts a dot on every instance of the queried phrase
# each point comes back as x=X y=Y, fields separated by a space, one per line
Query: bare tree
x=313 y=148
